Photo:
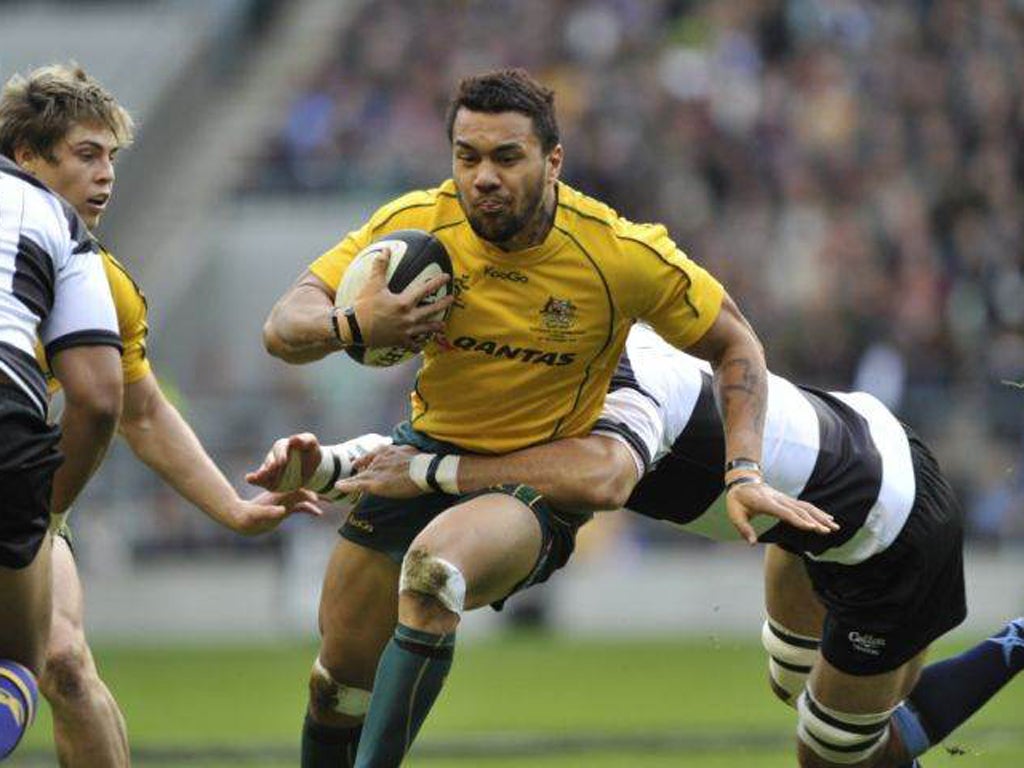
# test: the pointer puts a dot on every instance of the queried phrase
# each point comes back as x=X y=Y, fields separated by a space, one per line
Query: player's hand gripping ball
x=416 y=256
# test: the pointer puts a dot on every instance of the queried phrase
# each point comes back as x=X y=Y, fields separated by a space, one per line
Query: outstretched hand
x=389 y=319
x=289 y=464
x=385 y=472
x=746 y=501
x=267 y=510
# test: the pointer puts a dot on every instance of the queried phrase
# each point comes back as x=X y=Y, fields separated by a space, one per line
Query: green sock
x=324 y=746
x=410 y=675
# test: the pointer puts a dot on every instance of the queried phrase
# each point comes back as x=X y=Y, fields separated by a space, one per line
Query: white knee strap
x=429 y=575
x=840 y=737
x=790 y=658
x=349 y=700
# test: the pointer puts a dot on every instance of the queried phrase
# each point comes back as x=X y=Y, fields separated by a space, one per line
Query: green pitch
x=510 y=703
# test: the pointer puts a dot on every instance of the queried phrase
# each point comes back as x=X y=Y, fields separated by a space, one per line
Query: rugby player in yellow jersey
x=547 y=285
x=60 y=125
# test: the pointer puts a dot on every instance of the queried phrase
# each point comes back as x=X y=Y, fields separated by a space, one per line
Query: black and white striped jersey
x=52 y=284
x=844 y=452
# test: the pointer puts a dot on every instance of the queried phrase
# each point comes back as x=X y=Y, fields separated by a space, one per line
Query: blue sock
x=951 y=691
x=18 y=696
x=409 y=677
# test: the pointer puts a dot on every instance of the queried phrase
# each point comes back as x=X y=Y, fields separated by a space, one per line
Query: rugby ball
x=416 y=256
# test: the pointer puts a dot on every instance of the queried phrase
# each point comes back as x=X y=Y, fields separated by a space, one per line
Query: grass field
x=510 y=703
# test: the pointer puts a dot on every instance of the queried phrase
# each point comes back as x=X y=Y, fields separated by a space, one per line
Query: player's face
x=506 y=183
x=81 y=171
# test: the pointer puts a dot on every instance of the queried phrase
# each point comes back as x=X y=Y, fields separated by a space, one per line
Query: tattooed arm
x=741 y=390
x=741 y=380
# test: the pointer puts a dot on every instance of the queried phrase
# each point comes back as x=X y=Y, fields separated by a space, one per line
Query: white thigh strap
x=797 y=652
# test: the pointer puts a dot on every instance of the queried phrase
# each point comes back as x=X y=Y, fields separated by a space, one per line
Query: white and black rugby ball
x=416 y=256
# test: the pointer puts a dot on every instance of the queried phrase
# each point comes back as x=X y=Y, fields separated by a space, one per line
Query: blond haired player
x=548 y=282
x=64 y=128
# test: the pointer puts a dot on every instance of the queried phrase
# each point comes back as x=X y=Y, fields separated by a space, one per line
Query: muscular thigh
x=358 y=611
x=494 y=540
x=844 y=718
x=789 y=596
x=25 y=610
x=863 y=694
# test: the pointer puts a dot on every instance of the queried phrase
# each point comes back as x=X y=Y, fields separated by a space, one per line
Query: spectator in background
x=871 y=150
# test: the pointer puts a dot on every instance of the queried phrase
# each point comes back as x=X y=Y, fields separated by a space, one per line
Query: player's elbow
x=612 y=476
x=610 y=492
x=277 y=343
x=273 y=342
x=93 y=384
x=100 y=405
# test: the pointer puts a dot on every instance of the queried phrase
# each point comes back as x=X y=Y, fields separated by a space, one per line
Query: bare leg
x=792 y=634
x=88 y=727
x=24 y=628
x=358 y=611
x=788 y=594
x=25 y=610
x=470 y=555
x=493 y=540
x=867 y=695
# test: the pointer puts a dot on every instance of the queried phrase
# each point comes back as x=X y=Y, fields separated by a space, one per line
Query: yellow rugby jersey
x=534 y=336
x=130 y=304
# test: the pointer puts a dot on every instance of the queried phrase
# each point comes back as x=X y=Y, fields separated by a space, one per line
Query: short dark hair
x=508 y=90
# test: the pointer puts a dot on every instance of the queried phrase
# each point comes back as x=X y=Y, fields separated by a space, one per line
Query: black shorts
x=28 y=460
x=390 y=525
x=884 y=611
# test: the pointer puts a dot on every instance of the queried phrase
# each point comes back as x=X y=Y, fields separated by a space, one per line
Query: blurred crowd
x=851 y=169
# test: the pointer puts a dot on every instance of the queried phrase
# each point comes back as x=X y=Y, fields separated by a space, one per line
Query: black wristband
x=741 y=462
x=353 y=326
x=741 y=480
x=336 y=327
x=432 y=473
x=335 y=475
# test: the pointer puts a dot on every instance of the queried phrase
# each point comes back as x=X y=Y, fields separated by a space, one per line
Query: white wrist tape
x=418 y=467
x=332 y=465
x=435 y=474
x=448 y=474
x=337 y=462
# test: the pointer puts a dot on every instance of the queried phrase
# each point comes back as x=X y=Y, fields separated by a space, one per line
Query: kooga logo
x=512 y=275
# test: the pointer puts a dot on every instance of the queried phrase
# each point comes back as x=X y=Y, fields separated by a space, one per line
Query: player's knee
x=68 y=674
x=427 y=576
x=830 y=737
x=790 y=659
x=332 y=702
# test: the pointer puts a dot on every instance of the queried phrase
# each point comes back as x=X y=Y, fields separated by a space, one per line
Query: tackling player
x=52 y=289
x=547 y=285
x=853 y=610
x=61 y=126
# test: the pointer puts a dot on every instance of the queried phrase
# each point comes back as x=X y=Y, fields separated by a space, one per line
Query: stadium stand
x=852 y=170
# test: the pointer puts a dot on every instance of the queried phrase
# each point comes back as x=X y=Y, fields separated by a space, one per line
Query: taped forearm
x=338 y=462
